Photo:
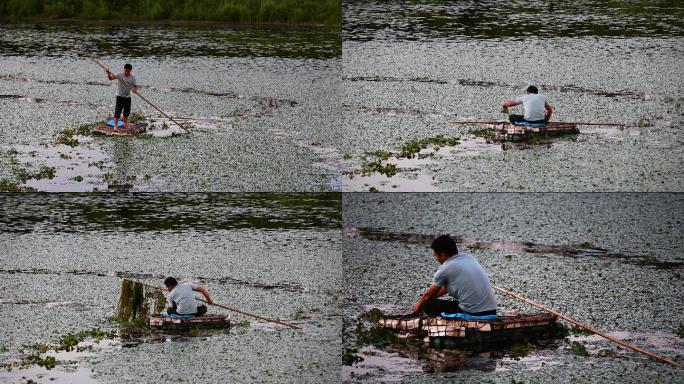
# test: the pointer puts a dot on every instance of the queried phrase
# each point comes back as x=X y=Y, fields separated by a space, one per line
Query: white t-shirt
x=535 y=106
x=467 y=282
x=184 y=299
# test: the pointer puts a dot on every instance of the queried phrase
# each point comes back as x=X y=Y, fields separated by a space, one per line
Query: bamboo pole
x=124 y=82
x=508 y=122
x=590 y=329
x=230 y=308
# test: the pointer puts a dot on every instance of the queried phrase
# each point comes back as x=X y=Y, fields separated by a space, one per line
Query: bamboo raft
x=506 y=131
x=170 y=324
x=134 y=128
x=440 y=332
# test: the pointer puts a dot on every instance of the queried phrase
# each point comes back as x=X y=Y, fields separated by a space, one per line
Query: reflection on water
x=417 y=20
x=156 y=212
x=145 y=40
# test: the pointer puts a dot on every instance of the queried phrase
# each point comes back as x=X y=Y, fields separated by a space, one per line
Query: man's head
x=170 y=283
x=127 y=69
x=444 y=247
x=532 y=89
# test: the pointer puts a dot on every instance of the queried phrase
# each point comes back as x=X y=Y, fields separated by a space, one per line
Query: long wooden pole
x=590 y=329
x=229 y=308
x=124 y=82
x=506 y=122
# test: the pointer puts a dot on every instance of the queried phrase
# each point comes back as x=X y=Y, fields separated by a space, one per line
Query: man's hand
x=417 y=307
x=135 y=89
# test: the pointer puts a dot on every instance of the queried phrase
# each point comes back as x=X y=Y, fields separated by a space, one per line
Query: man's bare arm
x=510 y=103
x=549 y=111
x=110 y=75
x=432 y=292
x=205 y=293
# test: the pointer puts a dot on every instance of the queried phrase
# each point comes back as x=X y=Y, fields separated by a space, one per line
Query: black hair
x=532 y=89
x=128 y=66
x=171 y=281
x=444 y=244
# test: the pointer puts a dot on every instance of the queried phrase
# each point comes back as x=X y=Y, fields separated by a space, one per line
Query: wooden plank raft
x=439 y=332
x=158 y=321
x=506 y=131
x=134 y=128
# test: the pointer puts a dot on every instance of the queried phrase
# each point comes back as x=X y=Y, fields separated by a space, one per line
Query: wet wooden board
x=441 y=332
x=505 y=131
x=206 y=321
x=133 y=129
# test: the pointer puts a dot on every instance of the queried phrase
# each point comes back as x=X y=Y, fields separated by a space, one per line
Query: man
x=123 y=94
x=182 y=300
x=463 y=278
x=537 y=109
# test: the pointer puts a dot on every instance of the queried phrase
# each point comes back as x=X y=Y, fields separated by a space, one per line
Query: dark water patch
x=289 y=287
x=168 y=212
x=582 y=250
x=386 y=110
x=564 y=88
x=418 y=20
x=155 y=40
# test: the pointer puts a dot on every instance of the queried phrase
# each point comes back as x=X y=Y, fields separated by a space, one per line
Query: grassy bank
x=326 y=12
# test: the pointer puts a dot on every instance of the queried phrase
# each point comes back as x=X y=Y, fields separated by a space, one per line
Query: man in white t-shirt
x=181 y=298
x=537 y=109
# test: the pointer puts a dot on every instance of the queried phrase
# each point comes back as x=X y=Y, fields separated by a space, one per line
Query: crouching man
x=181 y=299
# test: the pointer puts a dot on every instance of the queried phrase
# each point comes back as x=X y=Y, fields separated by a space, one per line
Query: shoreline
x=168 y=22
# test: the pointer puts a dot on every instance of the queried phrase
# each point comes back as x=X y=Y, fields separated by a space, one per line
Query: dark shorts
x=435 y=307
x=520 y=118
x=201 y=310
x=122 y=103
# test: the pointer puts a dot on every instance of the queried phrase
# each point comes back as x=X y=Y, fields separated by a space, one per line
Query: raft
x=134 y=128
x=157 y=321
x=506 y=131
x=439 y=332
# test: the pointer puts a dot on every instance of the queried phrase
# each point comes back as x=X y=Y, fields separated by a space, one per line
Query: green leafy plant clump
x=327 y=12
x=578 y=349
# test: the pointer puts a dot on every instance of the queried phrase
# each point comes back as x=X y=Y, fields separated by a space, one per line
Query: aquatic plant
x=372 y=315
x=44 y=172
x=136 y=117
x=578 y=349
x=519 y=350
x=70 y=341
x=241 y=11
x=349 y=356
x=485 y=133
x=381 y=153
x=47 y=362
x=8 y=186
x=586 y=245
x=680 y=331
x=644 y=123
x=411 y=148
x=78 y=178
x=136 y=302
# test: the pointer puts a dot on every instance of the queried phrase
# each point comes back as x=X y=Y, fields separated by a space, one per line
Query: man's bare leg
x=116 y=124
x=125 y=119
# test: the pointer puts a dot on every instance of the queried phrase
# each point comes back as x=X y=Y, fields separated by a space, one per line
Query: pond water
x=560 y=250
x=410 y=67
x=237 y=86
x=64 y=257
